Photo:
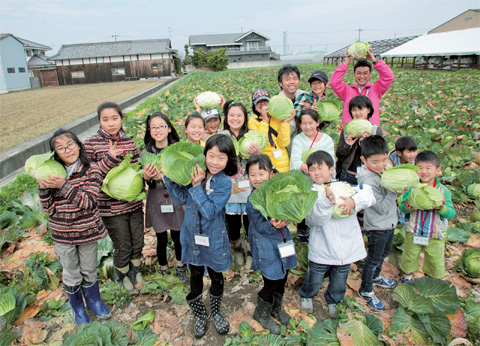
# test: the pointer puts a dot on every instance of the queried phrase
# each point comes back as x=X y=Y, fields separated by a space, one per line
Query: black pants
x=196 y=281
x=234 y=225
x=162 y=241
x=272 y=286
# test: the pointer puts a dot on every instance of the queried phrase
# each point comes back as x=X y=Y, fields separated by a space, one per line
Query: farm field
x=30 y=113
x=440 y=110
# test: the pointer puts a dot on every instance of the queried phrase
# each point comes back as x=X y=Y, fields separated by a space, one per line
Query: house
x=114 y=61
x=466 y=20
x=13 y=65
x=32 y=48
x=241 y=47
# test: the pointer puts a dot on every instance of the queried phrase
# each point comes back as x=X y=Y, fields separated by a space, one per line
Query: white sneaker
x=307 y=304
x=332 y=310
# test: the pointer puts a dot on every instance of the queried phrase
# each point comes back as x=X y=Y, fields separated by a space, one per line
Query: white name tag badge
x=243 y=184
x=420 y=240
x=201 y=240
x=167 y=208
x=286 y=249
x=277 y=154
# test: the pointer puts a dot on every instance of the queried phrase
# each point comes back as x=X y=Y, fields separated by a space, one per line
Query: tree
x=188 y=58
x=214 y=59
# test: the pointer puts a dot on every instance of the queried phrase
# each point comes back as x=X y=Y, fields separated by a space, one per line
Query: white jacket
x=337 y=241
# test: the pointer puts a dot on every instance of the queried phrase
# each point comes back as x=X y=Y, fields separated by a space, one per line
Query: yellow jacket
x=282 y=164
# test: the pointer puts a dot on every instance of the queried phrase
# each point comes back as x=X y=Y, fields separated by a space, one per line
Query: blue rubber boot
x=76 y=301
x=94 y=302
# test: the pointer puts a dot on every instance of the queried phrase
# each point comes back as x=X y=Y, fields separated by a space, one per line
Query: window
x=158 y=66
x=468 y=19
x=11 y=69
x=78 y=74
x=21 y=70
x=252 y=45
x=118 y=72
x=29 y=53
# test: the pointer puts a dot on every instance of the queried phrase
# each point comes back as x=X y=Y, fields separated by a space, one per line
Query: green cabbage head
x=151 y=159
x=179 y=159
x=473 y=190
x=424 y=197
x=280 y=107
x=306 y=153
x=328 y=111
x=340 y=189
x=359 y=49
x=397 y=178
x=209 y=100
x=251 y=137
x=287 y=196
x=40 y=166
x=469 y=263
x=358 y=126
x=125 y=181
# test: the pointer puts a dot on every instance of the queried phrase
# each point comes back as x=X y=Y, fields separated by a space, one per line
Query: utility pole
x=115 y=36
x=284 y=43
x=359 y=30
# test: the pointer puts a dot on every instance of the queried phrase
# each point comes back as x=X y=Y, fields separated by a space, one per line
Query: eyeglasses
x=158 y=128
x=70 y=146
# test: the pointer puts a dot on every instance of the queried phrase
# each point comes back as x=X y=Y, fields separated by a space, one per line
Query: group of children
x=205 y=217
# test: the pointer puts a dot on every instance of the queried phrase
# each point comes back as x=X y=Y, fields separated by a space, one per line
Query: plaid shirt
x=306 y=97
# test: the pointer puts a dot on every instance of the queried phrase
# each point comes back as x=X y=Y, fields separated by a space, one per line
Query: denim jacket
x=209 y=207
x=264 y=240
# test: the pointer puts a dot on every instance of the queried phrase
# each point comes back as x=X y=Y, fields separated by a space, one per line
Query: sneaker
x=407 y=280
x=372 y=300
x=384 y=282
x=307 y=304
x=332 y=310
x=181 y=273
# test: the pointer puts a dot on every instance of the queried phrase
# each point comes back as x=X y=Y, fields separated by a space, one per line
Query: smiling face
x=159 y=130
x=407 y=156
x=290 y=84
x=67 y=149
x=362 y=75
x=427 y=171
x=376 y=162
x=318 y=87
x=110 y=121
x=320 y=174
x=360 y=113
x=215 y=160
x=257 y=176
x=261 y=104
x=309 y=126
x=194 y=130
x=236 y=118
x=212 y=125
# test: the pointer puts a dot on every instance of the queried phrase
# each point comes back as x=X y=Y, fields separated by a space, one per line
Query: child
x=405 y=151
x=71 y=205
x=194 y=128
x=265 y=236
x=236 y=125
x=211 y=117
x=161 y=212
x=276 y=131
x=318 y=82
x=426 y=228
x=123 y=220
x=379 y=221
x=334 y=243
x=204 y=236
x=348 y=149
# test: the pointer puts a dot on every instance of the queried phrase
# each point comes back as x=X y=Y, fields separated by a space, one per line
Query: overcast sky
x=310 y=25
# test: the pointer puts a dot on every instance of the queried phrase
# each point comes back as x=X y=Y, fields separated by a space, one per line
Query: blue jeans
x=378 y=248
x=314 y=280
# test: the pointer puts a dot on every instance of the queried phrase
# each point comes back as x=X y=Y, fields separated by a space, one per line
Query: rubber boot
x=248 y=254
x=200 y=316
x=135 y=273
x=262 y=315
x=124 y=280
x=277 y=310
x=237 y=252
x=94 y=303
x=76 y=301
x=220 y=322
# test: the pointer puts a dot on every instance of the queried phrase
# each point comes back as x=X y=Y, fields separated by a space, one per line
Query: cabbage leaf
x=179 y=159
x=251 y=137
x=280 y=107
x=358 y=126
x=424 y=197
x=340 y=189
x=328 y=111
x=398 y=178
x=469 y=263
x=125 y=181
x=40 y=166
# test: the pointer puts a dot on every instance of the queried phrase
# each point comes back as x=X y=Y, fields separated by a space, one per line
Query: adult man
x=362 y=72
x=289 y=81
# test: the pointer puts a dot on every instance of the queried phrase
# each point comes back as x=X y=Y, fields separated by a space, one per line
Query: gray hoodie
x=383 y=214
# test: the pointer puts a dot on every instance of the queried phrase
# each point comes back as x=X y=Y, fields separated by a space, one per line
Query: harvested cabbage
x=209 y=100
x=340 y=189
x=280 y=107
x=40 y=166
x=328 y=111
x=398 y=178
x=179 y=159
x=358 y=126
x=306 y=153
x=359 y=49
x=151 y=159
x=424 y=197
x=251 y=137
x=125 y=181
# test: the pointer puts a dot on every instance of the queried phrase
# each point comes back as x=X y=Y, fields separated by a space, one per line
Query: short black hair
x=374 y=145
x=82 y=155
x=360 y=102
x=287 y=69
x=264 y=163
x=172 y=136
x=405 y=143
x=361 y=63
x=225 y=145
x=319 y=157
x=428 y=156
x=107 y=105
x=194 y=115
x=226 y=108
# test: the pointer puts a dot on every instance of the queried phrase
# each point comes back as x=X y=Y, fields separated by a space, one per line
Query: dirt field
x=28 y=114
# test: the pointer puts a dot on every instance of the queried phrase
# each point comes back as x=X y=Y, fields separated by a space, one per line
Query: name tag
x=277 y=154
x=286 y=249
x=167 y=208
x=420 y=240
x=243 y=184
x=201 y=240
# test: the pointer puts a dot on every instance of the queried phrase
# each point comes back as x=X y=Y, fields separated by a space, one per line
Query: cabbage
x=280 y=107
x=469 y=263
x=287 y=196
x=40 y=166
x=235 y=144
x=424 y=197
x=473 y=190
x=359 y=49
x=125 y=181
x=396 y=179
x=208 y=100
x=306 y=153
x=328 y=111
x=151 y=159
x=340 y=189
x=358 y=126
x=251 y=137
x=179 y=159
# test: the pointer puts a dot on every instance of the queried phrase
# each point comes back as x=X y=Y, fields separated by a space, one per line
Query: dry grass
x=28 y=114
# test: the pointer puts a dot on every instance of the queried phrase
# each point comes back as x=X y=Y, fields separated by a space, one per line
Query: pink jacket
x=373 y=92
